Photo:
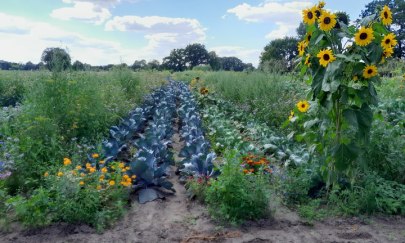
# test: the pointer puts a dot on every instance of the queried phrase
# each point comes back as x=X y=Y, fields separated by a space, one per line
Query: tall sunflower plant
x=341 y=62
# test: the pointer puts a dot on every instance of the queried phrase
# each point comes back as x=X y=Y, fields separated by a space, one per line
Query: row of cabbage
x=198 y=156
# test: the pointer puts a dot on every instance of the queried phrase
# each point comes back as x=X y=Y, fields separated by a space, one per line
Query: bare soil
x=177 y=219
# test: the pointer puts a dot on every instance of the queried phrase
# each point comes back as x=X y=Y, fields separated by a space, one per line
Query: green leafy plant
x=234 y=196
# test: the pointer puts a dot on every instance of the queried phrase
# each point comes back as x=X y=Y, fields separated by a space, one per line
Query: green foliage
x=236 y=197
x=196 y=54
x=11 y=91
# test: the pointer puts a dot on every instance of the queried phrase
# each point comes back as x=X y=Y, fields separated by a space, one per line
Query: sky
x=100 y=32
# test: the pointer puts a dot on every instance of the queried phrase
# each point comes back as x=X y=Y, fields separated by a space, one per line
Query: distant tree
x=78 y=66
x=5 y=65
x=139 y=65
x=214 y=61
x=195 y=55
x=398 y=16
x=30 y=66
x=232 y=64
x=56 y=59
x=301 y=30
x=153 y=65
x=281 y=49
x=176 y=61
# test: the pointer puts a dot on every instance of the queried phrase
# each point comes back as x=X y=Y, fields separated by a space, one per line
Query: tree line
x=193 y=55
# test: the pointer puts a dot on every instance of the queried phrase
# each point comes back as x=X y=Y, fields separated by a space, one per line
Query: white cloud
x=85 y=11
x=245 y=54
x=163 y=33
x=102 y=3
x=286 y=16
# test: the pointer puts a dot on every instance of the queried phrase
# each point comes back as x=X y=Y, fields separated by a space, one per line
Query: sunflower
x=318 y=11
x=303 y=106
x=386 y=15
x=388 y=52
x=308 y=37
x=389 y=41
x=309 y=16
x=301 y=47
x=325 y=57
x=364 y=36
x=327 y=21
x=307 y=62
x=321 y=4
x=291 y=116
x=370 y=71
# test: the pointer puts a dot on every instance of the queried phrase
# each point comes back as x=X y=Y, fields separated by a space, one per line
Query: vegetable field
x=307 y=150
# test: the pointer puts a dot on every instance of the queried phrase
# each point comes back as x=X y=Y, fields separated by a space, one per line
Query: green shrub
x=234 y=196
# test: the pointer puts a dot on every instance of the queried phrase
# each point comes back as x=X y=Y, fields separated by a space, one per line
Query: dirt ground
x=176 y=219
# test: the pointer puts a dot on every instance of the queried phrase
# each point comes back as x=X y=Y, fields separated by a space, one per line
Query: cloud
x=285 y=15
x=102 y=3
x=162 y=33
x=245 y=54
x=84 y=11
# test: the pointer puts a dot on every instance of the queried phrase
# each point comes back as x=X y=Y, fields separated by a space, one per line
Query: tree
x=284 y=50
x=138 y=65
x=196 y=54
x=232 y=64
x=214 y=61
x=153 y=65
x=398 y=16
x=176 y=61
x=30 y=66
x=301 y=30
x=56 y=59
x=78 y=66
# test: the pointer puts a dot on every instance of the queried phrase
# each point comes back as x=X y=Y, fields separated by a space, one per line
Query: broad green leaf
x=344 y=155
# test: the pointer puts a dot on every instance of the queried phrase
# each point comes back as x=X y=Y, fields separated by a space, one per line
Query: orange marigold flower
x=66 y=161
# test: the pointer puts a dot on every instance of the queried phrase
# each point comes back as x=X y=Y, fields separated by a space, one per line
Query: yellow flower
x=127 y=168
x=386 y=15
x=88 y=165
x=104 y=170
x=133 y=177
x=66 y=161
x=78 y=167
x=125 y=176
x=364 y=36
x=389 y=41
x=99 y=187
x=60 y=174
x=355 y=78
x=325 y=57
x=82 y=174
x=388 y=52
x=74 y=173
x=46 y=174
x=121 y=165
x=291 y=116
x=95 y=156
x=303 y=106
x=370 y=71
x=307 y=62
x=327 y=21
x=204 y=91
x=111 y=183
x=92 y=170
x=301 y=47
x=309 y=16
x=308 y=37
x=321 y=4
x=81 y=183
x=101 y=162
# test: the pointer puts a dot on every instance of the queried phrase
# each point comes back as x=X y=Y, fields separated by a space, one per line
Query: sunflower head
x=321 y=4
x=364 y=36
x=309 y=16
x=370 y=71
x=325 y=57
x=327 y=21
x=308 y=37
x=388 y=52
x=303 y=106
x=301 y=47
x=386 y=15
x=389 y=41
x=307 y=61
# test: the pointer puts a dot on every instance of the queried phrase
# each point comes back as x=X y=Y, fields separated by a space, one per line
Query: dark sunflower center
x=326 y=57
x=317 y=13
x=370 y=71
x=303 y=105
x=386 y=15
x=310 y=15
x=387 y=41
x=363 y=36
x=309 y=38
x=327 y=20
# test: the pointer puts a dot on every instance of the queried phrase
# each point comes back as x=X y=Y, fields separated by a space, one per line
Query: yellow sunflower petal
x=309 y=16
x=370 y=71
x=327 y=21
x=386 y=15
x=325 y=57
x=364 y=36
